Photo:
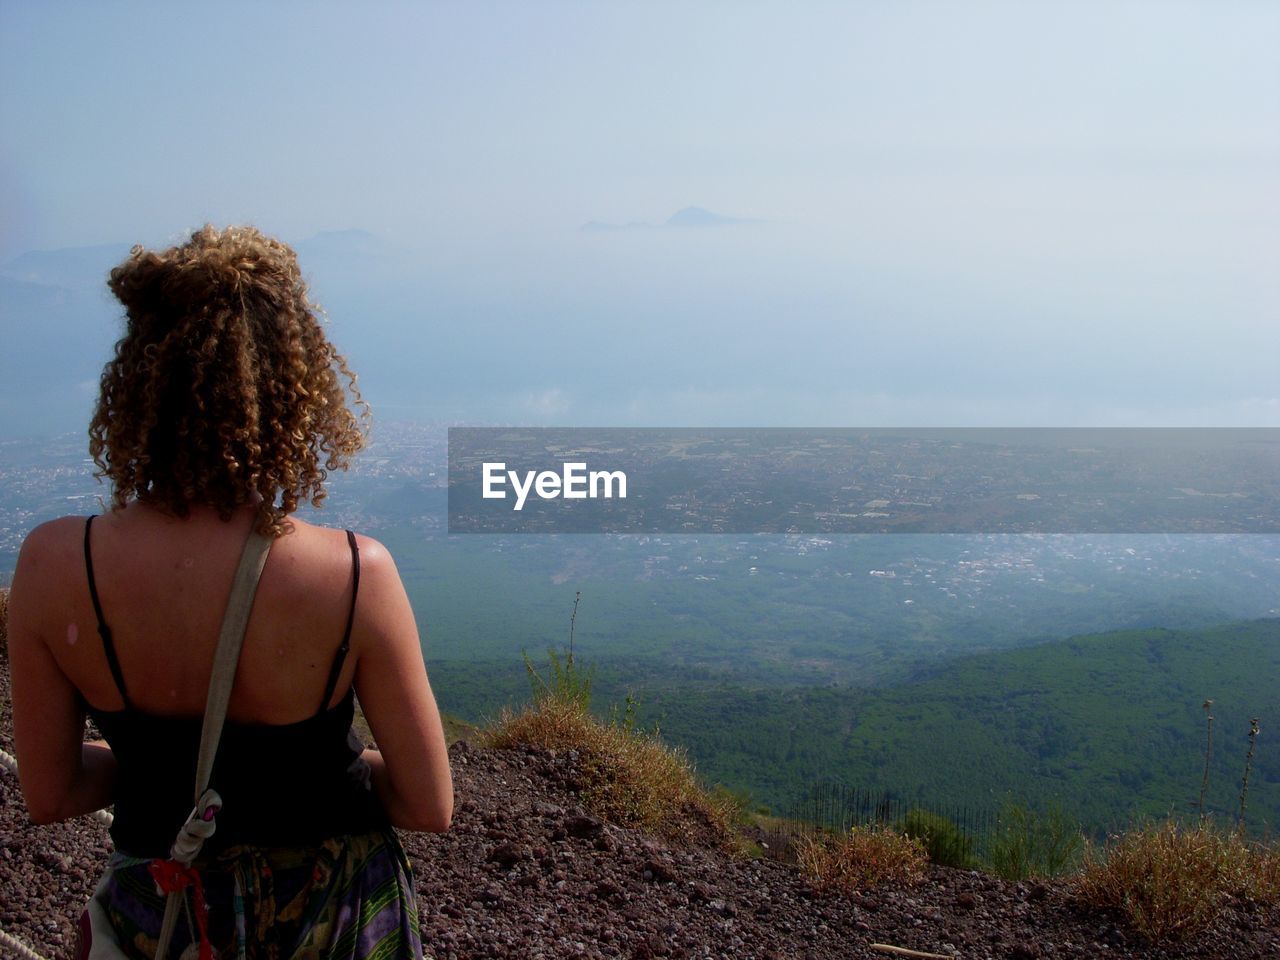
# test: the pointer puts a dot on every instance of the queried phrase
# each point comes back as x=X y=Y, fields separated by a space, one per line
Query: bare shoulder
x=326 y=551
x=375 y=559
x=380 y=582
x=384 y=609
x=323 y=544
x=42 y=578
x=54 y=537
x=50 y=550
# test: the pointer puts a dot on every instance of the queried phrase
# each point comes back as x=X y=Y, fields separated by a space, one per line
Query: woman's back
x=163 y=585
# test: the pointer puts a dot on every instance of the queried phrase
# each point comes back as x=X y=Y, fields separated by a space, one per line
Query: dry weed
x=1172 y=881
x=629 y=778
x=864 y=857
x=1262 y=881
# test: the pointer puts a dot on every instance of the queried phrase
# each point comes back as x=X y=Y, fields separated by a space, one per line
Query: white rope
x=10 y=763
x=17 y=946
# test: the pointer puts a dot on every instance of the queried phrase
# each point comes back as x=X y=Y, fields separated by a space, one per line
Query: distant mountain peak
x=699 y=217
x=685 y=217
x=78 y=268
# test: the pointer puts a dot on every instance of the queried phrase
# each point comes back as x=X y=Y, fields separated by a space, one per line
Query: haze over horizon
x=1001 y=214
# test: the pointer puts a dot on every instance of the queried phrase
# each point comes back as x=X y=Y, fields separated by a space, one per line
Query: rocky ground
x=526 y=872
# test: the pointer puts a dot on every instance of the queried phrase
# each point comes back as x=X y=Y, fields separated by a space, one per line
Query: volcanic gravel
x=527 y=872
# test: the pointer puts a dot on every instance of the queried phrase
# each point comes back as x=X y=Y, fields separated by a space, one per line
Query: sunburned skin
x=73 y=634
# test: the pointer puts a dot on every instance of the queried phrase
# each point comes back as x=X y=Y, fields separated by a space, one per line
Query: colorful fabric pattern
x=349 y=899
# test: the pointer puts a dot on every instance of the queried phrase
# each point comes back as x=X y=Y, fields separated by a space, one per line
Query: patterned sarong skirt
x=350 y=898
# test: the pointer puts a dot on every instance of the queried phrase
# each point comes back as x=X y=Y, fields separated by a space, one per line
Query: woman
x=222 y=409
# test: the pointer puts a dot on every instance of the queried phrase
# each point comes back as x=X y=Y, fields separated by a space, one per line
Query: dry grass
x=1268 y=875
x=628 y=778
x=1172 y=881
x=863 y=858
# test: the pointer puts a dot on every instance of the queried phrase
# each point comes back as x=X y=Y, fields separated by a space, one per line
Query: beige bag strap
x=200 y=824
x=234 y=623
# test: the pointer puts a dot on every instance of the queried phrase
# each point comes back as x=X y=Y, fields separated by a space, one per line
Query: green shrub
x=943 y=841
x=565 y=683
x=1028 y=845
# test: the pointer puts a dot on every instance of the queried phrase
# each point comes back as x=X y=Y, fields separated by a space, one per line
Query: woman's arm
x=61 y=775
x=410 y=768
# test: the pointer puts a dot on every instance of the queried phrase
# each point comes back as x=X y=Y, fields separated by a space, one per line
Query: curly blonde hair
x=224 y=390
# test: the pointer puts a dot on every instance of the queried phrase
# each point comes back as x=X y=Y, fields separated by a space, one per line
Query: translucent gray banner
x=815 y=481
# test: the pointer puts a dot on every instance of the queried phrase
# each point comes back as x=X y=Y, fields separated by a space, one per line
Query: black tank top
x=281 y=784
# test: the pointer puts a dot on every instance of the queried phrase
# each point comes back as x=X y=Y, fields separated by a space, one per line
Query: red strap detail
x=172 y=877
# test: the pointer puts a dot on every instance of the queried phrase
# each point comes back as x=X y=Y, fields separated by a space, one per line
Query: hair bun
x=213 y=266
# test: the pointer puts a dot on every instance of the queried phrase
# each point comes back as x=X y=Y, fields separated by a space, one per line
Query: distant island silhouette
x=685 y=217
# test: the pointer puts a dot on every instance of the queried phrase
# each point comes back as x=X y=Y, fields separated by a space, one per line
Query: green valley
x=1108 y=726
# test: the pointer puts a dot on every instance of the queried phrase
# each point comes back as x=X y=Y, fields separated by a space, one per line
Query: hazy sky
x=996 y=213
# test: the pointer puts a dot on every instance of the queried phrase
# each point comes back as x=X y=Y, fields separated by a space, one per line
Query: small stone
x=509 y=854
x=723 y=907
x=583 y=827
x=608 y=890
x=606 y=842
x=700 y=893
x=659 y=870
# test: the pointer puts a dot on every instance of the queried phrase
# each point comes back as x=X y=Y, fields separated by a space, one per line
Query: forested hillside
x=1108 y=726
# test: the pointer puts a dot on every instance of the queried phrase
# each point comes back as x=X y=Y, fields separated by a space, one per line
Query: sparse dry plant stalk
x=573 y=619
x=1208 y=755
x=1248 y=765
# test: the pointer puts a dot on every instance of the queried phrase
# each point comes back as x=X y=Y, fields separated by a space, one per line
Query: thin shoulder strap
x=340 y=657
x=108 y=644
